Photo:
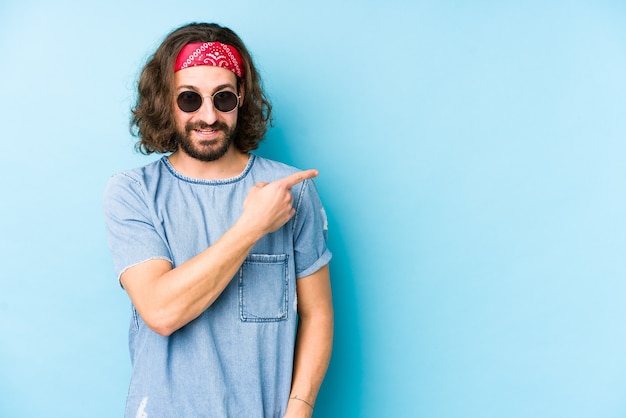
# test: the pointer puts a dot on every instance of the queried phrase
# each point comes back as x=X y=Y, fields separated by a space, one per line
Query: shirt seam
x=221 y=182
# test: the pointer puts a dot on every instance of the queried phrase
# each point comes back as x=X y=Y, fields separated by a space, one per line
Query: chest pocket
x=264 y=288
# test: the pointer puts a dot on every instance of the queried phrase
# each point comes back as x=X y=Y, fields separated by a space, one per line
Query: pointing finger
x=296 y=178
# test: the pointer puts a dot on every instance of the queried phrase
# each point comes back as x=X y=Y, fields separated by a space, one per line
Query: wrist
x=304 y=401
x=249 y=228
x=298 y=409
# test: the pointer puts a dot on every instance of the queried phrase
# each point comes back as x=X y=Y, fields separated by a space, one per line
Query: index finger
x=296 y=178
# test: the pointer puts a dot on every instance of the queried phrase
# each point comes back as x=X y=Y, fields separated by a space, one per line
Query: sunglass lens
x=225 y=101
x=189 y=101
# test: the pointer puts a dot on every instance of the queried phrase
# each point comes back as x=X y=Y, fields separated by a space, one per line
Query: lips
x=204 y=129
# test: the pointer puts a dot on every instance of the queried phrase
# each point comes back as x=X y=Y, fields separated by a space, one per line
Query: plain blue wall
x=472 y=159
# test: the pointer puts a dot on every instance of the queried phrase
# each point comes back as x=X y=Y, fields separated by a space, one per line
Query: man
x=222 y=253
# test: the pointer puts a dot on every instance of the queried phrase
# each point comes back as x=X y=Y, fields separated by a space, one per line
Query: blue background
x=472 y=159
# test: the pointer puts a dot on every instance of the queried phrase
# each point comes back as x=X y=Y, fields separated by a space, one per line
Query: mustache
x=217 y=126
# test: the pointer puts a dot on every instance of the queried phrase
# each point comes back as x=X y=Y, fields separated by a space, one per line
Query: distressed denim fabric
x=236 y=358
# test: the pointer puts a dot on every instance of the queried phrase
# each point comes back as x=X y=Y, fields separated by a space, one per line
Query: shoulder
x=134 y=181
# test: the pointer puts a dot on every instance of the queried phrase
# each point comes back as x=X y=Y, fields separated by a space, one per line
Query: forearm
x=312 y=356
x=314 y=342
x=179 y=295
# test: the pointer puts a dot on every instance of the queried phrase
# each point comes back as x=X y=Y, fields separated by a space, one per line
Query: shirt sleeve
x=310 y=232
x=129 y=218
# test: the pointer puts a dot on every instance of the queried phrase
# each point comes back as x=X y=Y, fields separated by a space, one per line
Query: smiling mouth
x=206 y=132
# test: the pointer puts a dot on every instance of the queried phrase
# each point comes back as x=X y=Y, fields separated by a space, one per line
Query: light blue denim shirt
x=235 y=359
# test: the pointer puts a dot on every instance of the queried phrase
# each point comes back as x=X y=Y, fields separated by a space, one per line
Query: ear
x=242 y=93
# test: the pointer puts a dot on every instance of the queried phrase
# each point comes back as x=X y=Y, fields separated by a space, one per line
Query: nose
x=207 y=112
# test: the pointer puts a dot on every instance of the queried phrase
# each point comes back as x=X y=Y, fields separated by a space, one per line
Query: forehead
x=204 y=78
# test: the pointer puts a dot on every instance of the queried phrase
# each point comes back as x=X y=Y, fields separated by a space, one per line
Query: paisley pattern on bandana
x=215 y=54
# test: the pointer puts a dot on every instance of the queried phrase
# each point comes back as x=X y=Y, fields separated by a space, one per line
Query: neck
x=230 y=165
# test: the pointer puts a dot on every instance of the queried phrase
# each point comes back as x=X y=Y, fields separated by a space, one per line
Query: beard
x=205 y=150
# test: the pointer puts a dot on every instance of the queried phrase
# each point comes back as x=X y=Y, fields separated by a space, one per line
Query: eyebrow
x=215 y=90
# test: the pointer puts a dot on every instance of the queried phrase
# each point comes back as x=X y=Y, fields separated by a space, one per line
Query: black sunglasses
x=225 y=101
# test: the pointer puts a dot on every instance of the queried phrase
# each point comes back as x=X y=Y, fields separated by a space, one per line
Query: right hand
x=268 y=206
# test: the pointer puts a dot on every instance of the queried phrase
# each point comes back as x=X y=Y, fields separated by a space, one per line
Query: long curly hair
x=152 y=117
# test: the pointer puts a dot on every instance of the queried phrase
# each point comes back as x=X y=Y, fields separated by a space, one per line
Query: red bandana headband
x=215 y=54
